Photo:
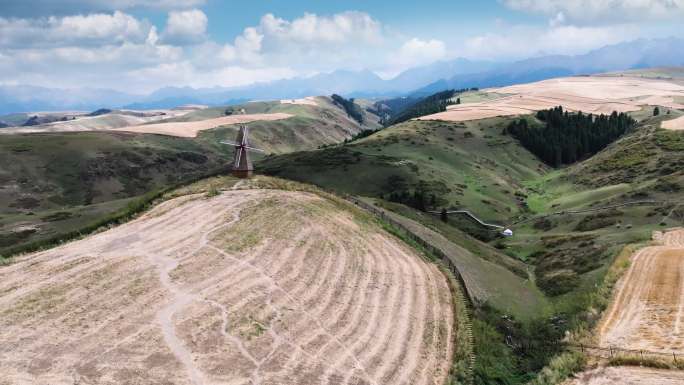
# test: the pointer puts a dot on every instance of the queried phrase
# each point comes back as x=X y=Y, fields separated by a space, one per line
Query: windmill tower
x=242 y=164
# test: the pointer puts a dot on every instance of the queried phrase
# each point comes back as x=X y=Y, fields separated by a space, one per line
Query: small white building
x=507 y=233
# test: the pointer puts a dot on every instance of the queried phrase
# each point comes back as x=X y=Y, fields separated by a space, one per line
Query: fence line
x=469 y=214
x=616 y=352
x=635 y=203
x=596 y=351
x=436 y=251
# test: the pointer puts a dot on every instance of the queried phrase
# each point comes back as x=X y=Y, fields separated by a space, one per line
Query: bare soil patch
x=674 y=124
x=307 y=101
x=590 y=94
x=247 y=287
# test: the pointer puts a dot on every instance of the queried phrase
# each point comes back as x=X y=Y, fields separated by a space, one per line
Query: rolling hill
x=85 y=171
x=568 y=223
x=237 y=286
x=531 y=292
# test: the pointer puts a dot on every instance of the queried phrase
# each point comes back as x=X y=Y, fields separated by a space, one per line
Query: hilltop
x=275 y=285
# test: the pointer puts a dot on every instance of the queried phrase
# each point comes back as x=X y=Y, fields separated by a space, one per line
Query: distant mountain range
x=458 y=73
x=642 y=53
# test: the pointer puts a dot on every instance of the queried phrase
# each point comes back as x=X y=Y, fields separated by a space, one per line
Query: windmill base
x=243 y=174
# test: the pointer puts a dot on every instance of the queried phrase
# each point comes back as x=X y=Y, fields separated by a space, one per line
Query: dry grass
x=674 y=124
x=262 y=286
x=589 y=94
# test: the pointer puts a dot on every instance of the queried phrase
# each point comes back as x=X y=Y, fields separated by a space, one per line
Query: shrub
x=560 y=368
x=212 y=192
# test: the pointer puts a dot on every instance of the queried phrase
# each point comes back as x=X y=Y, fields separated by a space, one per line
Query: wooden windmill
x=242 y=165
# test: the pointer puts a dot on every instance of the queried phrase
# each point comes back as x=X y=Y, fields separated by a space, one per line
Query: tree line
x=352 y=109
x=432 y=104
x=566 y=137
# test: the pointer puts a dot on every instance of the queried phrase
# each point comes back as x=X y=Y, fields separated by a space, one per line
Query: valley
x=563 y=242
x=202 y=192
x=264 y=280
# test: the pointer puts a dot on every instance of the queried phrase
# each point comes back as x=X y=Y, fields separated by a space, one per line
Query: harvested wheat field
x=191 y=129
x=118 y=122
x=307 y=101
x=247 y=287
x=648 y=309
x=590 y=94
x=674 y=124
x=628 y=376
x=646 y=313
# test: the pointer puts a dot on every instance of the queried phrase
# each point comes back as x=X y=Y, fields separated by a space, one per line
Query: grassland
x=59 y=183
x=467 y=164
x=559 y=246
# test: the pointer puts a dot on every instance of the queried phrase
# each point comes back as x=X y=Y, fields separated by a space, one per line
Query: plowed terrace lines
x=648 y=311
x=249 y=287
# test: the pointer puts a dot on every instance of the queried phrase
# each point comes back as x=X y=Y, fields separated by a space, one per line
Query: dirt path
x=646 y=313
x=248 y=287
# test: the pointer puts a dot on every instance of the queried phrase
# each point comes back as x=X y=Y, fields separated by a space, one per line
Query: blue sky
x=412 y=17
x=140 y=45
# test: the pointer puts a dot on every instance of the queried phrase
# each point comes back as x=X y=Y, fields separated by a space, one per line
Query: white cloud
x=185 y=27
x=94 y=29
x=38 y=8
x=185 y=73
x=310 y=42
x=518 y=42
x=415 y=52
x=582 y=11
x=122 y=52
x=312 y=29
x=557 y=20
x=247 y=46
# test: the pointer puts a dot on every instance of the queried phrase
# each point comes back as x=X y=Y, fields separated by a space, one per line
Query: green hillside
x=469 y=164
x=476 y=166
x=56 y=183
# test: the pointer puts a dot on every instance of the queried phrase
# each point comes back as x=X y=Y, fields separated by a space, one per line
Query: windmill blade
x=254 y=149
x=238 y=157
x=230 y=143
x=244 y=136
